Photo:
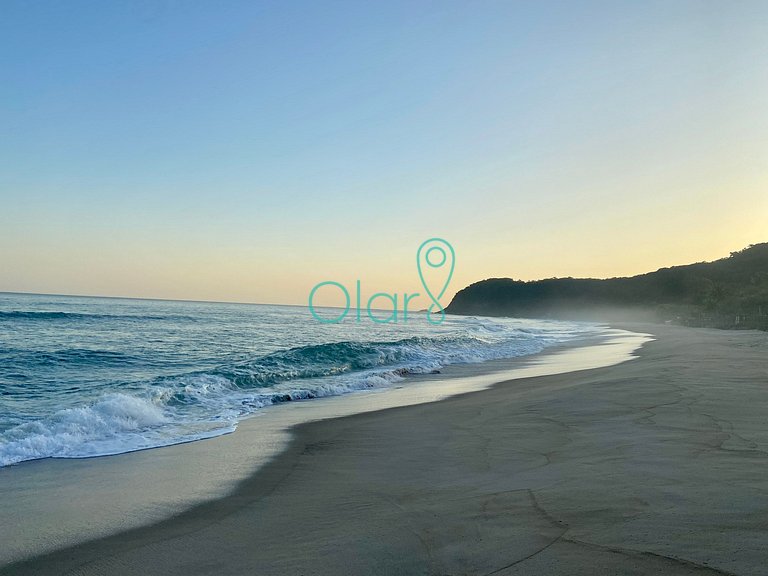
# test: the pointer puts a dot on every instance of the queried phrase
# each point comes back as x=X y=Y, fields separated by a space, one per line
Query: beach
x=657 y=465
x=384 y=289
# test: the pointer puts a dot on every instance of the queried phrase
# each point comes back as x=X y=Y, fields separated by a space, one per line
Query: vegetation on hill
x=727 y=293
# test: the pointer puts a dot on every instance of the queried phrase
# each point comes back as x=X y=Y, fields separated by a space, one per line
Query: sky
x=245 y=151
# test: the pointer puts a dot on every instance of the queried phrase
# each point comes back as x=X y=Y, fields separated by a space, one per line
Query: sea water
x=83 y=377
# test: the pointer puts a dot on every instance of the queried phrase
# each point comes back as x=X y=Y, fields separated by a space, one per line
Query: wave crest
x=195 y=405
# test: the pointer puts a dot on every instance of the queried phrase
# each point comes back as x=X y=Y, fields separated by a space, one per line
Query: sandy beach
x=658 y=465
x=383 y=288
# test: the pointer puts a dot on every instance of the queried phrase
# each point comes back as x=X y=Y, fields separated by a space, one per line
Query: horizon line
x=193 y=301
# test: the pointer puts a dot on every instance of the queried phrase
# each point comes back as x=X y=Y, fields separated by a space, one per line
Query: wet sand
x=654 y=466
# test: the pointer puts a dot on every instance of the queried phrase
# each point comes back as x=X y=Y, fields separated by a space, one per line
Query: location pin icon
x=438 y=255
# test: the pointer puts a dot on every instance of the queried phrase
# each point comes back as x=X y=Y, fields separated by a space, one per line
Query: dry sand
x=654 y=466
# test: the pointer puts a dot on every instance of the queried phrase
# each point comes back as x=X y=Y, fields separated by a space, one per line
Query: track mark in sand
x=727 y=428
x=629 y=552
x=559 y=523
x=411 y=528
x=521 y=560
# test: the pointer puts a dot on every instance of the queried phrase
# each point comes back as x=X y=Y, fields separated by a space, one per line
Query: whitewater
x=83 y=377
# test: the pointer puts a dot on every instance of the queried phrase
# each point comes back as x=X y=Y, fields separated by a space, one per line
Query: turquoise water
x=84 y=377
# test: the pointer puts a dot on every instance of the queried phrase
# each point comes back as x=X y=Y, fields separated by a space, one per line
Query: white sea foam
x=179 y=408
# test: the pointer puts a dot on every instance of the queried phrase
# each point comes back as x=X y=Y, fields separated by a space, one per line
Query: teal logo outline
x=312 y=308
x=433 y=264
x=438 y=248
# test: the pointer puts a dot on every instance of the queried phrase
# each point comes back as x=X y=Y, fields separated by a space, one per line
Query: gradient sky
x=247 y=150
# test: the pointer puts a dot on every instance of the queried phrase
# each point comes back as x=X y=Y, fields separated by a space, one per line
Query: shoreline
x=99 y=496
x=659 y=465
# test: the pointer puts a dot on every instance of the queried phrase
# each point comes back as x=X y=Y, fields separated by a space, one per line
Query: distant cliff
x=731 y=292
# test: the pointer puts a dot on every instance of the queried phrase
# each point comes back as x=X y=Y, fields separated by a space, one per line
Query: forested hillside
x=727 y=293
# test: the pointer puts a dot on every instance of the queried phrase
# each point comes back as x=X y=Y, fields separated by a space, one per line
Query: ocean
x=86 y=376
